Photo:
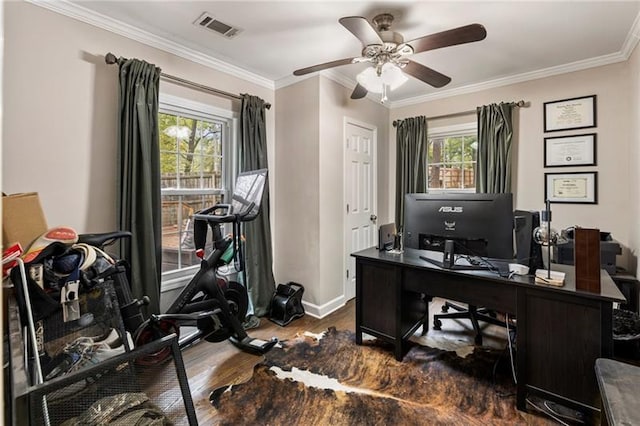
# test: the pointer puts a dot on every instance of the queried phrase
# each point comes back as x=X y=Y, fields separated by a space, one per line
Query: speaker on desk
x=586 y=258
x=528 y=252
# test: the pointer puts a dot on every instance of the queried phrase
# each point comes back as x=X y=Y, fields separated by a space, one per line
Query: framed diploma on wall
x=578 y=187
x=568 y=151
x=570 y=114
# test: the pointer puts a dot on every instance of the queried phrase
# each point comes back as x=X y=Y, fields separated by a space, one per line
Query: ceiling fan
x=388 y=52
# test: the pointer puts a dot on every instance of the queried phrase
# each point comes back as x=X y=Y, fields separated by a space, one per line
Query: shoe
x=251 y=321
x=111 y=337
x=85 y=351
x=103 y=350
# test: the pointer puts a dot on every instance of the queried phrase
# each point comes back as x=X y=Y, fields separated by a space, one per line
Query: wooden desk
x=561 y=331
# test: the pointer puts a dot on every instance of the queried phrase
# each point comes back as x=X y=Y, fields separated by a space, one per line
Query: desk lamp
x=545 y=235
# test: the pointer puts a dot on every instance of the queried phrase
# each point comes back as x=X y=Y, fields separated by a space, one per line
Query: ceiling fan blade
x=460 y=35
x=320 y=67
x=359 y=92
x=426 y=74
x=362 y=29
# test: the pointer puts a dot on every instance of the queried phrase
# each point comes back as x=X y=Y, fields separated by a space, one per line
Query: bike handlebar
x=210 y=215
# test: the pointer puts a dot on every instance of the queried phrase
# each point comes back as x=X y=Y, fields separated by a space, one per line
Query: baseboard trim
x=324 y=310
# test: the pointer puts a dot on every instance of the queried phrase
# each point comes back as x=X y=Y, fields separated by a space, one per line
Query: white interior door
x=360 y=196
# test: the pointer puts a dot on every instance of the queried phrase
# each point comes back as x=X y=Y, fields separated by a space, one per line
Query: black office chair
x=472 y=313
x=528 y=253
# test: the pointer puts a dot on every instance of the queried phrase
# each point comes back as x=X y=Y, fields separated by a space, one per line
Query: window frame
x=455 y=130
x=170 y=104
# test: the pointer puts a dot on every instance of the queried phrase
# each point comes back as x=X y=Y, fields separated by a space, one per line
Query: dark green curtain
x=253 y=156
x=495 y=132
x=139 y=177
x=411 y=161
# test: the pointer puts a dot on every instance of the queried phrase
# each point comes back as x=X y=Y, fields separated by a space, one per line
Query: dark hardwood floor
x=212 y=365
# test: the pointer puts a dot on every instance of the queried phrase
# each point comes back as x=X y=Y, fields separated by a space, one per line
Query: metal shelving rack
x=38 y=399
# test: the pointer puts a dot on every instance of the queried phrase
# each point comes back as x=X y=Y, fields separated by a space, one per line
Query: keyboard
x=471 y=263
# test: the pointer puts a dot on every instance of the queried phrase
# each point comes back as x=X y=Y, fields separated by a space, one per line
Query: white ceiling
x=524 y=39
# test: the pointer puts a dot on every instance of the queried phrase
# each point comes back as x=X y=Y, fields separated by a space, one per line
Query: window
x=196 y=172
x=452 y=154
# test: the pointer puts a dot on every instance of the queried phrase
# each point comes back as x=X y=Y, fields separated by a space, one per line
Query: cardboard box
x=22 y=219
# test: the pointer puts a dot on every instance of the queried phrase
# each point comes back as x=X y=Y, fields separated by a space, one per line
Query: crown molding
x=291 y=79
x=332 y=75
x=519 y=78
x=632 y=38
x=632 y=41
x=90 y=17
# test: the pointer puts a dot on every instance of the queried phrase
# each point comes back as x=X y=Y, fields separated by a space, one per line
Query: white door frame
x=374 y=129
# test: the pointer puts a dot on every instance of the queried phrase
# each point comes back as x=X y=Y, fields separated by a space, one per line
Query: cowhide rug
x=332 y=381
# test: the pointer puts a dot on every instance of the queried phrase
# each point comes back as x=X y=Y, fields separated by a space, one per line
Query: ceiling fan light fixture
x=390 y=76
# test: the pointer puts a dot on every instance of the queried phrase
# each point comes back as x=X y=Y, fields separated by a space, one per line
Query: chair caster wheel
x=437 y=324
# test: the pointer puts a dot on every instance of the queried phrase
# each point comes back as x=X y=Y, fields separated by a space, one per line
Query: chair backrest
x=247 y=193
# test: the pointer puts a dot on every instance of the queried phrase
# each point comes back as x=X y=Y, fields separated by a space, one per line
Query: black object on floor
x=286 y=303
x=626 y=334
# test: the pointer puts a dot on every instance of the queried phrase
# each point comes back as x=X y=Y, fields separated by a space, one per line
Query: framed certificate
x=570 y=114
x=578 y=187
x=568 y=151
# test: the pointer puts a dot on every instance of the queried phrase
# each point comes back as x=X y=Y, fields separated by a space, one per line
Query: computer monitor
x=461 y=223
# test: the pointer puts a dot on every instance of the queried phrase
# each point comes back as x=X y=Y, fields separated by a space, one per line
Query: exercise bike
x=216 y=307
x=213 y=305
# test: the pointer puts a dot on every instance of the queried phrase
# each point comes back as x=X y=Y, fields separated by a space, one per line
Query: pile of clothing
x=125 y=409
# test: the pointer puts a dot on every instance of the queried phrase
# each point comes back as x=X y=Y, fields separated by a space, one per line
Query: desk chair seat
x=473 y=313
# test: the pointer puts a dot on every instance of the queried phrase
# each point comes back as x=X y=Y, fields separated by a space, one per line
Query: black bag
x=286 y=303
x=43 y=304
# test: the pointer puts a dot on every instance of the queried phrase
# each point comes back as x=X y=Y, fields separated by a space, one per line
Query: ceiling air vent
x=207 y=21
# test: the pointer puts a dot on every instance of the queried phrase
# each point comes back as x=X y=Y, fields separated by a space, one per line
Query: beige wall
x=297 y=227
x=60 y=105
x=309 y=228
x=634 y=159
x=611 y=84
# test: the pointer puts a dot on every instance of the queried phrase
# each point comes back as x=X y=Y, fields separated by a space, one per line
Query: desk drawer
x=564 y=337
x=475 y=290
x=378 y=297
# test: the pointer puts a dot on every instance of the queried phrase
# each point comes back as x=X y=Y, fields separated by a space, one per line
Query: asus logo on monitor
x=450 y=209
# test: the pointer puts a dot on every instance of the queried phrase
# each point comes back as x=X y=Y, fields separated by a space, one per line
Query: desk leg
x=521 y=353
x=399 y=350
x=425 y=319
x=358 y=303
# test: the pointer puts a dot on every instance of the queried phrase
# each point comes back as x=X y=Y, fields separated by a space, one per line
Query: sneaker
x=103 y=350
x=111 y=337
x=251 y=321
x=85 y=351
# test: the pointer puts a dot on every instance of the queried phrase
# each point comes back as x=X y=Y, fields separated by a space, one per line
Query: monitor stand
x=449 y=259
x=449 y=255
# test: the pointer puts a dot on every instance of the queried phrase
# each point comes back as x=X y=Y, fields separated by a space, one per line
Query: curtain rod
x=111 y=59
x=458 y=114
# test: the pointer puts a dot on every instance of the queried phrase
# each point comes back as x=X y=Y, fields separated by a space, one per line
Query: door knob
x=373 y=218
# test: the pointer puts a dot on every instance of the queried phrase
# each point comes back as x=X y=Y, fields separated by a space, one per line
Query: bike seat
x=102 y=239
